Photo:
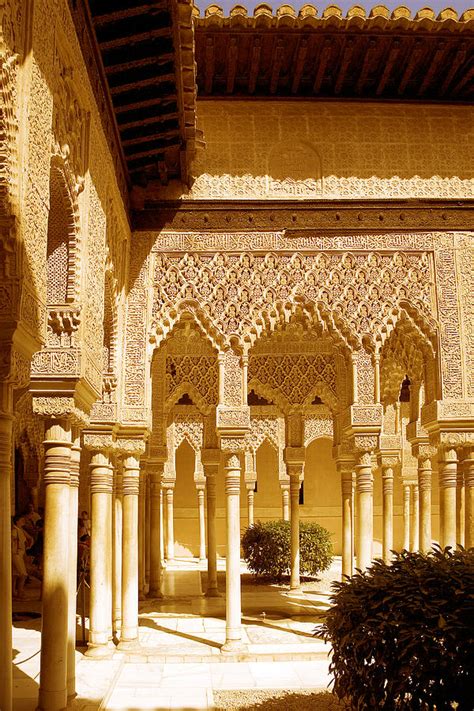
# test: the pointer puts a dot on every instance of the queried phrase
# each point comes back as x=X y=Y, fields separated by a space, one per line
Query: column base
x=99 y=651
x=142 y=595
x=154 y=594
x=212 y=592
x=234 y=646
x=296 y=589
x=128 y=645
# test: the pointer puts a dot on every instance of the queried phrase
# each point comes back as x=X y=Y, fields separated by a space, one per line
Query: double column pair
x=113 y=558
x=456 y=473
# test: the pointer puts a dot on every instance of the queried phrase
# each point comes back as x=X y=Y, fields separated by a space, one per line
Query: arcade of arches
x=184 y=353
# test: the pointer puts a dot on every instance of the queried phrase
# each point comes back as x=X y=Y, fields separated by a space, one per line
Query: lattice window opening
x=61 y=242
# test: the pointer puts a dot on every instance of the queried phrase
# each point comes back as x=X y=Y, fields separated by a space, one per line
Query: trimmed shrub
x=267 y=548
x=403 y=634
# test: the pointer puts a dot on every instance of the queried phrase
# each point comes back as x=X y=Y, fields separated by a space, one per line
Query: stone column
x=347 y=531
x=406 y=516
x=117 y=554
x=424 y=486
x=162 y=525
x=295 y=485
x=460 y=515
x=56 y=579
x=169 y=491
x=147 y=535
x=210 y=461
x=285 y=501
x=6 y=448
x=155 y=474
x=202 y=523
x=415 y=518
x=387 y=493
x=447 y=496
x=233 y=632
x=250 y=502
x=469 y=499
x=141 y=531
x=100 y=602
x=72 y=597
x=130 y=486
x=364 y=491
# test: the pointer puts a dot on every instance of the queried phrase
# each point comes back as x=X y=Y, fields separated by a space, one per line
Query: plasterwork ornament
x=188 y=427
x=129 y=447
x=60 y=408
x=318 y=425
x=101 y=442
x=365 y=443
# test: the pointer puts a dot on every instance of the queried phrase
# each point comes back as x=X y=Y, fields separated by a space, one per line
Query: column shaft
x=6 y=448
x=130 y=486
x=415 y=518
x=202 y=525
x=169 y=524
x=365 y=488
x=155 y=533
x=387 y=493
x=212 y=590
x=424 y=486
x=295 y=485
x=250 y=503
x=285 y=495
x=54 y=628
x=72 y=597
x=406 y=517
x=460 y=506
x=147 y=535
x=347 y=533
x=447 y=497
x=117 y=555
x=100 y=600
x=162 y=526
x=141 y=534
x=469 y=500
x=233 y=600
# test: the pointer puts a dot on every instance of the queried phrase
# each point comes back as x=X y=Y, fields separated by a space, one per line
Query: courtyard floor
x=180 y=665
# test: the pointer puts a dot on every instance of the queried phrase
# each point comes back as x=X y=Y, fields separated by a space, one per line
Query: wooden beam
x=158 y=136
x=232 y=54
x=458 y=60
x=299 y=65
x=434 y=64
x=157 y=59
x=159 y=150
x=139 y=84
x=391 y=59
x=366 y=65
x=346 y=58
x=277 y=61
x=464 y=80
x=169 y=98
x=255 y=64
x=160 y=118
x=115 y=15
x=130 y=40
x=209 y=65
x=323 y=62
x=413 y=60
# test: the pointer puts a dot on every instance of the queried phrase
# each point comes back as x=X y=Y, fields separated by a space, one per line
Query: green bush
x=267 y=548
x=403 y=634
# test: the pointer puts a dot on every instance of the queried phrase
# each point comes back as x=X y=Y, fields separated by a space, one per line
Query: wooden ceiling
x=148 y=59
x=379 y=55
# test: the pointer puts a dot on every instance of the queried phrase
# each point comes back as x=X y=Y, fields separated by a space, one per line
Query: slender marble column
x=154 y=476
x=447 y=496
x=202 y=524
x=54 y=628
x=365 y=510
x=210 y=471
x=141 y=533
x=169 y=491
x=117 y=555
x=460 y=504
x=130 y=486
x=424 y=486
x=387 y=493
x=285 y=501
x=469 y=498
x=72 y=596
x=100 y=603
x=406 y=517
x=6 y=448
x=147 y=535
x=162 y=525
x=250 y=502
x=295 y=484
x=233 y=632
x=415 y=518
x=347 y=533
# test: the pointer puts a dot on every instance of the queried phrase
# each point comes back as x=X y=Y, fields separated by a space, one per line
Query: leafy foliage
x=403 y=634
x=267 y=548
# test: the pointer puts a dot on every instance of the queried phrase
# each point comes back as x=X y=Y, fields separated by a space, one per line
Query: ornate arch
x=188 y=388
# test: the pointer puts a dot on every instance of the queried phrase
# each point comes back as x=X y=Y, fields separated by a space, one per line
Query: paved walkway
x=180 y=664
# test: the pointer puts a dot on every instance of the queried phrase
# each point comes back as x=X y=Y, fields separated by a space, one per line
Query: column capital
x=103 y=441
x=423 y=450
x=133 y=446
x=365 y=443
x=60 y=407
